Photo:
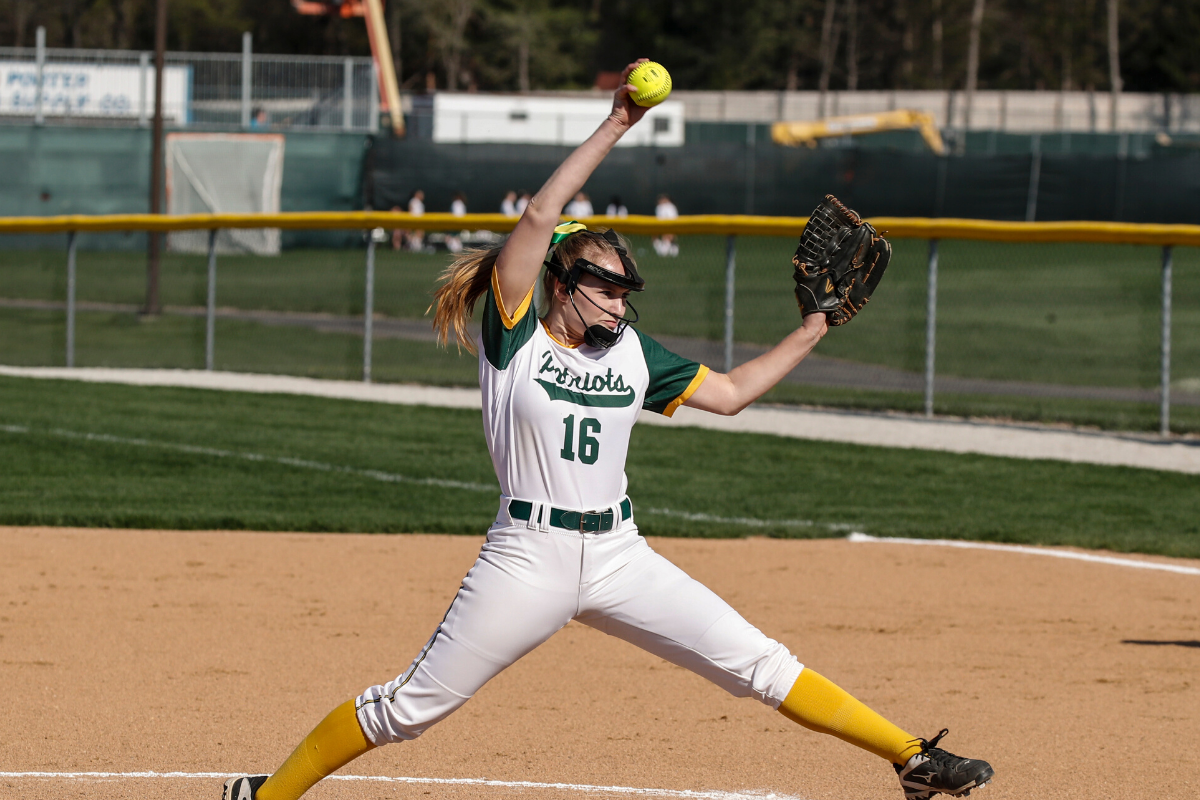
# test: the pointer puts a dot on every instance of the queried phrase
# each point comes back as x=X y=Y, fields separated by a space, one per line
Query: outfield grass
x=1065 y=314
x=136 y=475
x=37 y=338
x=1056 y=313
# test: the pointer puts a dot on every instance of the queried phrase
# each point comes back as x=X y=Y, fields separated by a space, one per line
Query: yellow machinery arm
x=381 y=49
x=793 y=134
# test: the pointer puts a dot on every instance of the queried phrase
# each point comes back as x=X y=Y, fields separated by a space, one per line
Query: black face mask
x=599 y=335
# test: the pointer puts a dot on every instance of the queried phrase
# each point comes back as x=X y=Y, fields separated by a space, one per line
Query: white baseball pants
x=527 y=584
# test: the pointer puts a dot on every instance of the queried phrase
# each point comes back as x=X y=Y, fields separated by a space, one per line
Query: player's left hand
x=626 y=112
x=817 y=323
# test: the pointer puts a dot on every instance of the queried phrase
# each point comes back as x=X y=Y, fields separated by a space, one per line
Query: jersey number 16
x=589 y=448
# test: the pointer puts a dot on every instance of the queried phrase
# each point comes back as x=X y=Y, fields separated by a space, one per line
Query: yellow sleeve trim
x=522 y=309
x=555 y=338
x=701 y=374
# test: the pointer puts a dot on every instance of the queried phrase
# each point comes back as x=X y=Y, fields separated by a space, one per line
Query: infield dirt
x=129 y=651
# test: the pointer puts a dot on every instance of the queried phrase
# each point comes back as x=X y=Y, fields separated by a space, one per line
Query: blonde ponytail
x=461 y=285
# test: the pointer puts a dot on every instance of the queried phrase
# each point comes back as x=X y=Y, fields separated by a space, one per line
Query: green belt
x=582 y=521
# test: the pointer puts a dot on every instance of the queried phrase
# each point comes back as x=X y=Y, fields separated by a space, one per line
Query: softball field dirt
x=157 y=661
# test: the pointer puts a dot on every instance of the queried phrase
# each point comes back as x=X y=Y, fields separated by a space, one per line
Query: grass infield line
x=1036 y=551
x=574 y=787
x=751 y=522
x=391 y=477
x=387 y=477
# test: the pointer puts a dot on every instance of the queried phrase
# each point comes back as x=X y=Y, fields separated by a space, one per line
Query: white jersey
x=558 y=418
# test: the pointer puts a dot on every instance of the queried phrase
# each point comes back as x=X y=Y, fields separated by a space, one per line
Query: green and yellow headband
x=566 y=229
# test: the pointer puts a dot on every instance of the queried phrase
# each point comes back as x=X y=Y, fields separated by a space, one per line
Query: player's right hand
x=626 y=112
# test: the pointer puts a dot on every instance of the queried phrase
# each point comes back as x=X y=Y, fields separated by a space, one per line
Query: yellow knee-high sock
x=335 y=742
x=820 y=705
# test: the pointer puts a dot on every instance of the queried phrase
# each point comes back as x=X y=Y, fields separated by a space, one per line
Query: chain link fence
x=206 y=91
x=1088 y=334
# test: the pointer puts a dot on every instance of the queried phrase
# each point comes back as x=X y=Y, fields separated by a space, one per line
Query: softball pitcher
x=561 y=394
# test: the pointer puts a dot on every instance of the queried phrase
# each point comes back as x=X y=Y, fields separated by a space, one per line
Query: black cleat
x=933 y=771
x=243 y=787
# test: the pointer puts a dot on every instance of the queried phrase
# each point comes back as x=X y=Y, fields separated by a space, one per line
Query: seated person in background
x=616 y=208
x=398 y=235
x=666 y=245
x=416 y=207
x=522 y=202
x=508 y=206
x=458 y=207
x=579 y=207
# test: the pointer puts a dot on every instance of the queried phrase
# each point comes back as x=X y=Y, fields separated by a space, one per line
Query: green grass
x=33 y=338
x=1084 y=315
x=1057 y=313
x=52 y=478
x=329 y=281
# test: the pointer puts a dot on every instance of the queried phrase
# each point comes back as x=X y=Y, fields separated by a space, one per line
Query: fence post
x=373 y=119
x=210 y=312
x=730 y=265
x=71 y=242
x=39 y=115
x=369 y=307
x=751 y=163
x=143 y=90
x=931 y=326
x=1165 y=399
x=347 y=94
x=1035 y=175
x=247 y=67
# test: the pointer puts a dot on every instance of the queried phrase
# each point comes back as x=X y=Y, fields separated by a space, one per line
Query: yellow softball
x=653 y=84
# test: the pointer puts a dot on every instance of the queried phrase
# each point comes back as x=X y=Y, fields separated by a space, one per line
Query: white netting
x=224 y=173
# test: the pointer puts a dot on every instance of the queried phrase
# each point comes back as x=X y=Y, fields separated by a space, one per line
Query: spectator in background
x=580 y=207
x=508 y=206
x=258 y=119
x=616 y=208
x=398 y=234
x=666 y=245
x=458 y=207
x=522 y=202
x=416 y=207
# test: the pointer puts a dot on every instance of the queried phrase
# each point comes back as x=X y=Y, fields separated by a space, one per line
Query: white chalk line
x=391 y=477
x=751 y=522
x=387 y=477
x=572 y=787
x=1035 y=551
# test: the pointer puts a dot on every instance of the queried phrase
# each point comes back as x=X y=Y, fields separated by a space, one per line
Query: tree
x=543 y=40
x=936 y=33
x=851 y=44
x=1114 y=63
x=21 y=11
x=973 y=59
x=829 y=42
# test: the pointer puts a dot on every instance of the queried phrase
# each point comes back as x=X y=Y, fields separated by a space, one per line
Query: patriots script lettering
x=597 y=391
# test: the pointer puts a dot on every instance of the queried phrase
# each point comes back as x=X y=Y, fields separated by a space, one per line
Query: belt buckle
x=596 y=521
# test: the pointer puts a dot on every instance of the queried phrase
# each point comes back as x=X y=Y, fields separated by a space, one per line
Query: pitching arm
x=521 y=259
